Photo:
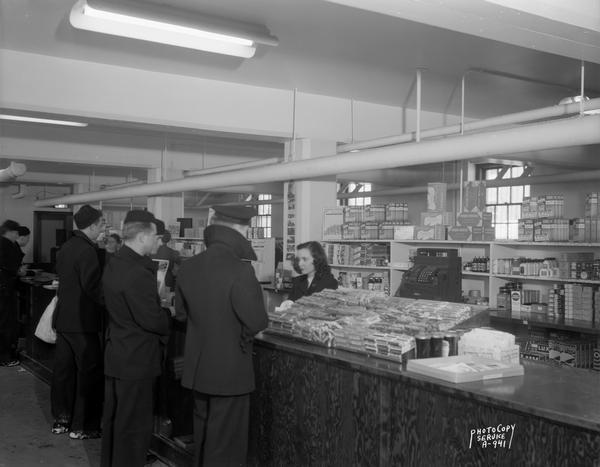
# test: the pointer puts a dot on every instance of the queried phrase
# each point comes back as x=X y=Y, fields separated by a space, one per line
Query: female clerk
x=311 y=262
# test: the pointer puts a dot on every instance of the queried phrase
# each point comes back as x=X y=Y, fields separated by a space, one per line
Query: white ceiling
x=330 y=48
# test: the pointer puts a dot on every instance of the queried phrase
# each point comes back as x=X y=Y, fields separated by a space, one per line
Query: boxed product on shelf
x=430 y=232
x=353 y=214
x=571 y=352
x=473 y=196
x=436 y=196
x=396 y=212
x=460 y=234
x=437 y=218
x=387 y=230
x=538 y=207
x=591 y=205
x=351 y=231
x=592 y=229
x=577 y=232
x=369 y=231
x=374 y=213
x=474 y=219
x=404 y=232
x=551 y=230
x=526 y=230
x=333 y=221
x=579 y=302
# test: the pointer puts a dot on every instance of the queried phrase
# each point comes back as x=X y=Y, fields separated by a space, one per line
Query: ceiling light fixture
x=157 y=24
x=576 y=99
x=22 y=118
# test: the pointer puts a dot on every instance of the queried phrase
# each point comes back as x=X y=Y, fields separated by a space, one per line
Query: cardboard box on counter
x=437 y=218
x=430 y=232
x=436 y=197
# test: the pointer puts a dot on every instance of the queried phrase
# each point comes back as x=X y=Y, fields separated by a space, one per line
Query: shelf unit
x=488 y=283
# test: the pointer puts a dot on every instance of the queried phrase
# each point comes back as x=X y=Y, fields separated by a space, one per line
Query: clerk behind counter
x=311 y=263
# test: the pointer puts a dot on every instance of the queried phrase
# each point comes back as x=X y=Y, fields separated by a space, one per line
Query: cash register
x=435 y=275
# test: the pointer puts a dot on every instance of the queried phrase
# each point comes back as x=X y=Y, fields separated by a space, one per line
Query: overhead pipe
x=229 y=167
x=589 y=175
x=14 y=170
x=534 y=137
x=562 y=110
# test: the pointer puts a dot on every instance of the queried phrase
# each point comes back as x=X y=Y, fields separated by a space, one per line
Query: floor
x=25 y=423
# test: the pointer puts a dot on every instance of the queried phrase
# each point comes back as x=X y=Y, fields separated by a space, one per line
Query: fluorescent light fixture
x=21 y=118
x=60 y=206
x=164 y=29
x=576 y=99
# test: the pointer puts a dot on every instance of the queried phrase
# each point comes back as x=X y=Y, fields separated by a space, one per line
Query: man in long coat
x=138 y=328
x=76 y=391
x=219 y=294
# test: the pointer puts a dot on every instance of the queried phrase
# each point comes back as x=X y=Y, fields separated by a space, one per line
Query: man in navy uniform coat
x=76 y=393
x=219 y=294
x=138 y=328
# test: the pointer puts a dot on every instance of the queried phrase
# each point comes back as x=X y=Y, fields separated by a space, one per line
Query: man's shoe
x=83 y=434
x=9 y=363
x=58 y=428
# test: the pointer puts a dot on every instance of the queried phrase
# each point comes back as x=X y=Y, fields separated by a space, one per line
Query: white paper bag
x=44 y=329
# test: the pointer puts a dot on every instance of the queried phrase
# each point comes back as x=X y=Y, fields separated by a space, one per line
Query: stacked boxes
x=333 y=221
x=591 y=205
x=435 y=220
x=396 y=212
x=579 y=302
x=372 y=222
x=592 y=229
x=538 y=207
x=364 y=254
x=473 y=222
x=551 y=230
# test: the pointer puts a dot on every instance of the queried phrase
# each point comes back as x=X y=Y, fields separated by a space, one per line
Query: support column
x=166 y=208
x=304 y=200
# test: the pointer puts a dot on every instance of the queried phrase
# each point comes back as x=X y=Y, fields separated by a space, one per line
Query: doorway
x=52 y=229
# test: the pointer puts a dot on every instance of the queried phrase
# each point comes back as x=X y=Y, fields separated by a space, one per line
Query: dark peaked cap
x=236 y=214
x=138 y=215
x=86 y=216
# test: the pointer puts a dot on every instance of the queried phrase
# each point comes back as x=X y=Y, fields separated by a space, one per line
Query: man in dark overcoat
x=76 y=391
x=138 y=328
x=219 y=294
x=10 y=260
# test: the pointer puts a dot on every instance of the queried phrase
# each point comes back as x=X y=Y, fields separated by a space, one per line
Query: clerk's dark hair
x=322 y=268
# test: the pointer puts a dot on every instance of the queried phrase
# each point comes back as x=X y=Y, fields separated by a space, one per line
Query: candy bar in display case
x=366 y=321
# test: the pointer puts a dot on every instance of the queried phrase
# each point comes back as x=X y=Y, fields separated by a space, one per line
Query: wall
x=21 y=210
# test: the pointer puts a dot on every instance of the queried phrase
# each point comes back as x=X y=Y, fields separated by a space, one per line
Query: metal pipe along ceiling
x=588 y=175
x=509 y=119
x=533 y=137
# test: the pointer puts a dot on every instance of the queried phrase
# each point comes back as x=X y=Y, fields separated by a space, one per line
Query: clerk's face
x=305 y=261
x=24 y=240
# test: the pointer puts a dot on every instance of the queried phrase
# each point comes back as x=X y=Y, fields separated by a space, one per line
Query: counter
x=318 y=406
x=329 y=407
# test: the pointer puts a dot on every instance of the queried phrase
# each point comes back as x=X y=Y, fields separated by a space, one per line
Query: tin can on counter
x=436 y=344
x=423 y=345
x=452 y=338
